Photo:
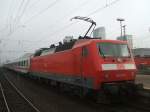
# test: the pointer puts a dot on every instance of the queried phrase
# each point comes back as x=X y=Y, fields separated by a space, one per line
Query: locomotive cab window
x=113 y=50
x=85 y=51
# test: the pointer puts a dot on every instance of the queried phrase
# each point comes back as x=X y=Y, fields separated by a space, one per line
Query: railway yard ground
x=44 y=98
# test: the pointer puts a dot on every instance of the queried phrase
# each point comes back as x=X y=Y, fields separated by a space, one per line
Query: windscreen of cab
x=113 y=49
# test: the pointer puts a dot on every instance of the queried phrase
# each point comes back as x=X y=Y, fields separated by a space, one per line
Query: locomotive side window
x=85 y=51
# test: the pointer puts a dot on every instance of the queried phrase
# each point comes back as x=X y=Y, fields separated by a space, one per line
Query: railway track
x=140 y=105
x=3 y=102
x=141 y=102
x=12 y=100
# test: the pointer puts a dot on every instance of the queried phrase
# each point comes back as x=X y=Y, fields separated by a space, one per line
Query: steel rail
x=4 y=97
x=21 y=94
x=138 y=107
x=142 y=102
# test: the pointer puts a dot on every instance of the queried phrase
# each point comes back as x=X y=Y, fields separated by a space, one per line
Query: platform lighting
x=120 y=20
x=124 y=30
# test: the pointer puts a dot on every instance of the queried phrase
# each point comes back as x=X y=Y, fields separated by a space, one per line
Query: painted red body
x=93 y=66
x=71 y=62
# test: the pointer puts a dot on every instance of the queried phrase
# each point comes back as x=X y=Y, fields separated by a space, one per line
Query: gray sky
x=38 y=23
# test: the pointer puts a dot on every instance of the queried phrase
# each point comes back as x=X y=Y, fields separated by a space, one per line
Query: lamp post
x=120 y=20
x=124 y=30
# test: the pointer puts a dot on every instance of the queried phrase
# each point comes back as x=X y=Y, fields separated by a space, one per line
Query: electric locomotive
x=91 y=64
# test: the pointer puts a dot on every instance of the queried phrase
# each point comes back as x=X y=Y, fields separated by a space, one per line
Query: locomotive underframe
x=121 y=89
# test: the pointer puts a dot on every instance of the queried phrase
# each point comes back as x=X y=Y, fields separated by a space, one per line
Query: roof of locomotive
x=74 y=44
x=82 y=42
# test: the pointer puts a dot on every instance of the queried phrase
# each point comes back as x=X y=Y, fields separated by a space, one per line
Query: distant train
x=91 y=64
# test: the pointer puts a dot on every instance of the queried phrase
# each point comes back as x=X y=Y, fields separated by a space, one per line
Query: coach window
x=85 y=51
x=23 y=63
x=27 y=63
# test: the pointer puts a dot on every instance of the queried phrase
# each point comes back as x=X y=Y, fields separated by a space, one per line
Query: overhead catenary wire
x=19 y=16
x=91 y=13
x=12 y=23
x=19 y=10
x=33 y=4
x=9 y=16
x=7 y=39
x=42 y=11
x=104 y=7
x=69 y=25
x=76 y=8
x=71 y=12
x=36 y=15
x=17 y=20
x=15 y=51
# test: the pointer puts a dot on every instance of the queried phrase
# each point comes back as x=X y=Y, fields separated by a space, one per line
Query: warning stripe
x=118 y=66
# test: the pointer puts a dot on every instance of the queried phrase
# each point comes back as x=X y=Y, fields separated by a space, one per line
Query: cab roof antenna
x=93 y=23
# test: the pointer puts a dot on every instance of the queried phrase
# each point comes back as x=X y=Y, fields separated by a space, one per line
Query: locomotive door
x=84 y=62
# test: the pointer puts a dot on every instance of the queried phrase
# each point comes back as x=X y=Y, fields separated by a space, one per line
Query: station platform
x=145 y=79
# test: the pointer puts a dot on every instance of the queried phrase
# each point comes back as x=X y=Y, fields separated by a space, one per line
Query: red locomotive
x=87 y=63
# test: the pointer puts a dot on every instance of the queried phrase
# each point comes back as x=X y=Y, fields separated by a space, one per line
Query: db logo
x=120 y=66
